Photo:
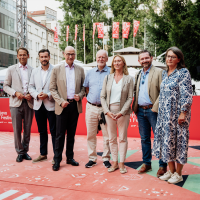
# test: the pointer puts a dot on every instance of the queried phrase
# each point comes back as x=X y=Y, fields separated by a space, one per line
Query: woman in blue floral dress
x=172 y=128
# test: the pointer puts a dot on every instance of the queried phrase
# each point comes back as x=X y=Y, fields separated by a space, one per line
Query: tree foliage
x=81 y=12
x=179 y=25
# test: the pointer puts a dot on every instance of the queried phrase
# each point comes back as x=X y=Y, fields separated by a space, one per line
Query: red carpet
x=38 y=182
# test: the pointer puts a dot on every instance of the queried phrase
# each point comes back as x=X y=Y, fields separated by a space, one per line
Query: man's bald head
x=69 y=48
x=102 y=52
x=102 y=58
x=69 y=55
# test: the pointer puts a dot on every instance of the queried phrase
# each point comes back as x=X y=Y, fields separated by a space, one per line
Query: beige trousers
x=92 y=117
x=122 y=124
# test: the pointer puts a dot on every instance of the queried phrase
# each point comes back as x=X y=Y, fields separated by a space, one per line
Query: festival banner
x=76 y=31
x=84 y=32
x=94 y=28
x=125 y=29
x=115 y=30
x=100 y=28
x=136 y=27
x=67 y=33
x=56 y=35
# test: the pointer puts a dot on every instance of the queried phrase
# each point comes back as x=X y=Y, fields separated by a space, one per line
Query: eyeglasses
x=68 y=54
x=172 y=57
x=101 y=58
x=143 y=78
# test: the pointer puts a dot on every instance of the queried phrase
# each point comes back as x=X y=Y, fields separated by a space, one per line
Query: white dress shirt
x=70 y=75
x=24 y=76
x=43 y=75
x=116 y=92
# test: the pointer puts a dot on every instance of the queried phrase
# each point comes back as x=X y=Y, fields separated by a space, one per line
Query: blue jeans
x=146 y=120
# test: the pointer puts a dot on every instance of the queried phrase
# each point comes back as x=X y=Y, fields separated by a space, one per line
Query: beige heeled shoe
x=112 y=169
x=123 y=170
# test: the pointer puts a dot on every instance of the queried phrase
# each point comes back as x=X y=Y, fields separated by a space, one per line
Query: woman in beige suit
x=116 y=98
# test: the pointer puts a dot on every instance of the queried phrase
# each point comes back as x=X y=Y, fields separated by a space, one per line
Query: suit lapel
x=63 y=74
x=18 y=72
x=109 y=85
x=138 y=83
x=151 y=72
x=76 y=74
x=29 y=72
x=123 y=81
x=39 y=74
x=48 y=75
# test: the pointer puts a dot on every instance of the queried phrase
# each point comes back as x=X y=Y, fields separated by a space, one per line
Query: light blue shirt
x=94 y=81
x=143 y=97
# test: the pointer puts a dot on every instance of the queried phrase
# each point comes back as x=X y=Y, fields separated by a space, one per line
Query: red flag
x=125 y=29
x=76 y=31
x=115 y=30
x=94 y=28
x=136 y=27
x=84 y=32
x=56 y=35
x=100 y=29
x=67 y=33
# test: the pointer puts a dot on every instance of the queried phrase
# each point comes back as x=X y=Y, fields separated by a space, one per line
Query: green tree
x=126 y=11
x=179 y=25
x=82 y=12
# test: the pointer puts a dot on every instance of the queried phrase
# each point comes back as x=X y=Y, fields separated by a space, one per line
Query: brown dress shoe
x=144 y=169
x=161 y=171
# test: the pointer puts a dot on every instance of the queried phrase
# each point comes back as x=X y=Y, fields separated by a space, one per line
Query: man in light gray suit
x=44 y=104
x=21 y=102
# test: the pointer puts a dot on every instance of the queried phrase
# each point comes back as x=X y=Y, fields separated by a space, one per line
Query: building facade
x=8 y=55
x=41 y=26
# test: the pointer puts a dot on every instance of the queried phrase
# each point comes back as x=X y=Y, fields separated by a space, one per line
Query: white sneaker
x=166 y=176
x=175 y=178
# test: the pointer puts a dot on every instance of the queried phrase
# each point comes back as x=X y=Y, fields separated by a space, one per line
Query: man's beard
x=45 y=64
x=148 y=65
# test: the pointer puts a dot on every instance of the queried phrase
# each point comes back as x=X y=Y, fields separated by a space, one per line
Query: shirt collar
x=47 y=69
x=105 y=69
x=66 y=65
x=23 y=65
x=146 y=71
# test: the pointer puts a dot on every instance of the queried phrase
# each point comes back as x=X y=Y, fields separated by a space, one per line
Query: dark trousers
x=147 y=120
x=41 y=116
x=22 y=114
x=66 y=121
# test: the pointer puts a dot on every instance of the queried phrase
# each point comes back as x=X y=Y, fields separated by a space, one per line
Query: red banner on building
x=76 y=31
x=56 y=35
x=100 y=28
x=125 y=29
x=67 y=33
x=94 y=28
x=136 y=27
x=84 y=32
x=115 y=30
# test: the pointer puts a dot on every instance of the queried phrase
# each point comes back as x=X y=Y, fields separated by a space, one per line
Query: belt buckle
x=71 y=100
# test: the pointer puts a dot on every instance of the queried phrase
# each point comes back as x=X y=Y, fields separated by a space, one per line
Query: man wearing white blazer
x=21 y=102
x=44 y=104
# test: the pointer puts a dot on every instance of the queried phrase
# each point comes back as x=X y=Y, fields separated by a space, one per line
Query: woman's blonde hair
x=125 y=68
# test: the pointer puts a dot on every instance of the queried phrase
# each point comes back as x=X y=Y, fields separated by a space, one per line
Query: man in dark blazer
x=145 y=106
x=66 y=86
x=21 y=102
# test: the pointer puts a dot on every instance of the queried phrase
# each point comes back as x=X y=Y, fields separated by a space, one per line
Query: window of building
x=7 y=60
x=7 y=23
x=29 y=28
x=30 y=44
x=7 y=42
x=36 y=31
